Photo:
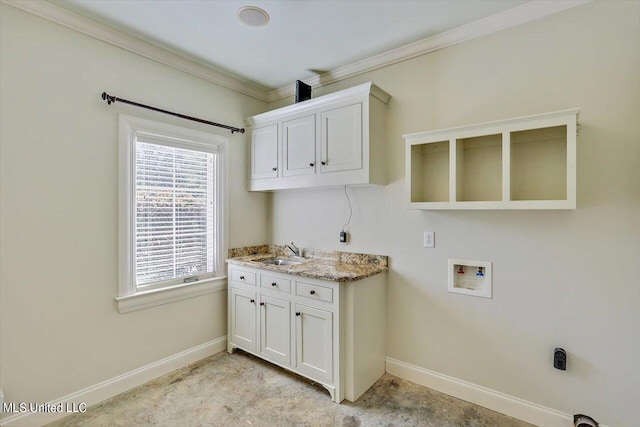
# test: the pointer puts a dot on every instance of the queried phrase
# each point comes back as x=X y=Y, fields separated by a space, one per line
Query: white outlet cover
x=429 y=239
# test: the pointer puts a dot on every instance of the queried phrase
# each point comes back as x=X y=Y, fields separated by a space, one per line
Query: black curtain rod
x=110 y=99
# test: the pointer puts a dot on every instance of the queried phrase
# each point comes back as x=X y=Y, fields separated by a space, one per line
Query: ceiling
x=302 y=39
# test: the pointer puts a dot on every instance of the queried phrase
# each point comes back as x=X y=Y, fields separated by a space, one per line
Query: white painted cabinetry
x=314 y=344
x=341 y=141
x=521 y=163
x=333 y=333
x=244 y=318
x=336 y=139
x=264 y=152
x=275 y=327
x=299 y=146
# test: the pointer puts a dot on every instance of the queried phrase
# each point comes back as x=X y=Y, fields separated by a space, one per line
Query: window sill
x=179 y=292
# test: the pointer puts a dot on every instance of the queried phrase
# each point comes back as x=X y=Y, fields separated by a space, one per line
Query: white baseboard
x=482 y=396
x=491 y=399
x=114 y=386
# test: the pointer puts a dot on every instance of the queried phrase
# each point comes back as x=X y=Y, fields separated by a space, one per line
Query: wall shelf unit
x=520 y=163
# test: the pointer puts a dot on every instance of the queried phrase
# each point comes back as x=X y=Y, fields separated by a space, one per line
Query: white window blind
x=175 y=223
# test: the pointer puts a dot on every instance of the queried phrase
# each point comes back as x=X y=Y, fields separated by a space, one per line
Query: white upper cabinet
x=299 y=146
x=341 y=144
x=264 y=152
x=521 y=163
x=336 y=139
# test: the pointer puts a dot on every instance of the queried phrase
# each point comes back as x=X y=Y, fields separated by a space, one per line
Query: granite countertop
x=333 y=266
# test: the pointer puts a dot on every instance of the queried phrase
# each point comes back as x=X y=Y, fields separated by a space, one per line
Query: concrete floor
x=239 y=389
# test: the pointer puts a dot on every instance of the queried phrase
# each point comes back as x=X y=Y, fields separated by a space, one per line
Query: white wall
x=561 y=278
x=60 y=328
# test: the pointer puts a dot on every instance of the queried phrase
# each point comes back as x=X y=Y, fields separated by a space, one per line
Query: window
x=171 y=206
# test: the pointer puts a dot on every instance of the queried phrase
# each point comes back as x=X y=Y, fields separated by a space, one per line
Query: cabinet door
x=244 y=319
x=275 y=329
x=314 y=343
x=341 y=139
x=299 y=146
x=264 y=152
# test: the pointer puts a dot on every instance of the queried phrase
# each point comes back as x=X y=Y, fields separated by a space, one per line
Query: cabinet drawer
x=275 y=283
x=243 y=276
x=315 y=292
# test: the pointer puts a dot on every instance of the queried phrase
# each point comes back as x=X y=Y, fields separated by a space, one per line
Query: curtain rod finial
x=108 y=98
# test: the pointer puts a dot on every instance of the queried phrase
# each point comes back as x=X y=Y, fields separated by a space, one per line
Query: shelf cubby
x=539 y=164
x=479 y=168
x=430 y=172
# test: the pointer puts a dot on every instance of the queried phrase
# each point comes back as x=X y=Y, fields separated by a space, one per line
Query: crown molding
x=144 y=48
x=361 y=91
x=513 y=17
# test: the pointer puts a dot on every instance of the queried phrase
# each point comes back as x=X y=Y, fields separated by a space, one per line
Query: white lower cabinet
x=275 y=326
x=244 y=318
x=314 y=343
x=332 y=333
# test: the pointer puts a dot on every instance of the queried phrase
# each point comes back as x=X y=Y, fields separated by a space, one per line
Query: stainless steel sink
x=276 y=261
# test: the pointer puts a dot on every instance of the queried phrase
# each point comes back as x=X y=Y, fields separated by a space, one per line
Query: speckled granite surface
x=248 y=250
x=324 y=265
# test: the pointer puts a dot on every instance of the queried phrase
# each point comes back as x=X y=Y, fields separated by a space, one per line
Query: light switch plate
x=429 y=239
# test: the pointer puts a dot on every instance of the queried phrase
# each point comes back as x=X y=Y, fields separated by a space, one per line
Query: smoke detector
x=253 y=16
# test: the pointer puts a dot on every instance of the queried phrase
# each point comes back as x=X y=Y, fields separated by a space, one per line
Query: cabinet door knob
x=261 y=303
x=274 y=284
x=297 y=313
x=274 y=169
x=253 y=301
x=311 y=164
x=241 y=277
x=323 y=163
x=312 y=292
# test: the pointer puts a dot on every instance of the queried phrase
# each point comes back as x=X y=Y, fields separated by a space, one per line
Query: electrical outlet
x=429 y=239
x=560 y=359
x=344 y=237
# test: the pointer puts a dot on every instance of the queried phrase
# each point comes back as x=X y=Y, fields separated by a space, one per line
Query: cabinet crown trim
x=413 y=137
x=360 y=90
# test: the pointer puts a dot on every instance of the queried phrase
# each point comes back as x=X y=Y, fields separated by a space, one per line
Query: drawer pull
x=241 y=277
x=253 y=301
x=274 y=284
x=261 y=303
x=297 y=313
x=312 y=292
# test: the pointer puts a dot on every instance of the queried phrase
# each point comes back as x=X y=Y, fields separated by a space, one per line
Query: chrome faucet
x=293 y=248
